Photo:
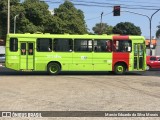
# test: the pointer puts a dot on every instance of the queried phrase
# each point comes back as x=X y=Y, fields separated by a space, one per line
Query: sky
x=93 y=9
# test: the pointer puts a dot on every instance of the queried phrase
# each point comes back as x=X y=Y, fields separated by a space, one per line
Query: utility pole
x=151 y=31
x=150 y=25
x=15 y=23
x=101 y=23
x=8 y=21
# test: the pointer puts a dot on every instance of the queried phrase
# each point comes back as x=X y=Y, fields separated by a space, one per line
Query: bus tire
x=53 y=68
x=119 y=69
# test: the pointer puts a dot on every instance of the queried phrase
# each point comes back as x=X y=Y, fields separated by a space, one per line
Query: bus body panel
x=102 y=61
x=82 y=61
x=121 y=57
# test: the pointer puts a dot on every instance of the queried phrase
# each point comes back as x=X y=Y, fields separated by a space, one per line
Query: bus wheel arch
x=120 y=68
x=54 y=68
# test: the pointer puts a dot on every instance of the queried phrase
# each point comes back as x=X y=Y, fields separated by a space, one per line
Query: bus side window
x=50 y=45
x=44 y=44
x=122 y=46
x=109 y=46
x=83 y=45
x=114 y=46
x=13 y=44
x=102 y=45
x=63 y=45
x=97 y=48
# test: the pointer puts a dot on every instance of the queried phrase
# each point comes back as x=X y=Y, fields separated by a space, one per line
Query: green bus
x=65 y=52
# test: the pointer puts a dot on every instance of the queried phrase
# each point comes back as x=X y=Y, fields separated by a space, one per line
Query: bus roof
x=47 y=35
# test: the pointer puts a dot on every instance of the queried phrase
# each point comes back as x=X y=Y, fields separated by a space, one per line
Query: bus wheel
x=119 y=69
x=53 y=68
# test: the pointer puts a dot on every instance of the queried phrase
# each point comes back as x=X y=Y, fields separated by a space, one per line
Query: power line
x=126 y=1
x=98 y=16
x=104 y=4
x=101 y=4
x=112 y=6
x=48 y=1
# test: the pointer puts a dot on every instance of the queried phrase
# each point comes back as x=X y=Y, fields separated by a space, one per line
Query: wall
x=2 y=49
x=158 y=47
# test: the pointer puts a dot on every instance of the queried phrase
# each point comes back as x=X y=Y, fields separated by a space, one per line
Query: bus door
x=26 y=55
x=138 y=56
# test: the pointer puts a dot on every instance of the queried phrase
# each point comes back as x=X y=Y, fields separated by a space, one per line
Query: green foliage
x=36 y=11
x=33 y=16
x=3 y=18
x=68 y=19
x=126 y=28
x=158 y=31
x=102 y=28
x=15 y=8
x=36 y=16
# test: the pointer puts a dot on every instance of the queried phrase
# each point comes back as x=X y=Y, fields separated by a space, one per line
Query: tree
x=102 y=28
x=68 y=19
x=34 y=16
x=126 y=28
x=3 y=15
x=158 y=31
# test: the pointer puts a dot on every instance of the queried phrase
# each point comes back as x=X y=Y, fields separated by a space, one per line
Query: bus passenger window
x=13 y=45
x=44 y=44
x=114 y=47
x=49 y=48
x=83 y=45
x=102 y=45
x=109 y=46
x=122 y=46
x=63 y=45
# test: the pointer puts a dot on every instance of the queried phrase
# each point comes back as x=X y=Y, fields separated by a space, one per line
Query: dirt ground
x=80 y=93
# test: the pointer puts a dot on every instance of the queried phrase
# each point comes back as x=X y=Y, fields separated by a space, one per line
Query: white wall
x=2 y=49
x=158 y=47
x=148 y=52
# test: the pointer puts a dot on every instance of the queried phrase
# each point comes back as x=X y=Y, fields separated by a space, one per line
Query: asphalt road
x=5 y=71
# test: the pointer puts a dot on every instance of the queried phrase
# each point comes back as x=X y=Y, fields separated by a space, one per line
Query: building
x=2 y=46
x=154 y=45
x=158 y=47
